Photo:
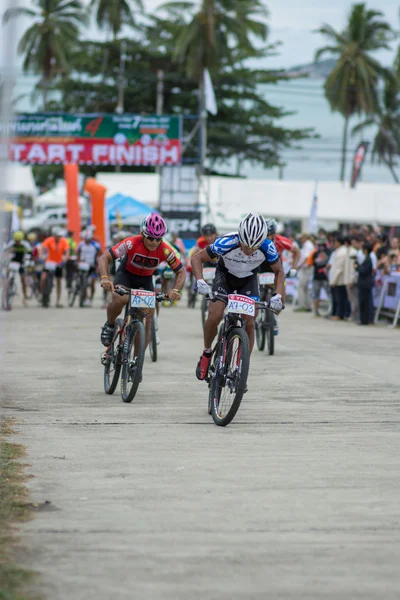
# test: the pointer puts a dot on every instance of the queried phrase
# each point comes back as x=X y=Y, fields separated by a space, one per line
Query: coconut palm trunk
x=344 y=149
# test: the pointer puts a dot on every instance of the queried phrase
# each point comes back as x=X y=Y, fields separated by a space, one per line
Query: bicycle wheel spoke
x=232 y=366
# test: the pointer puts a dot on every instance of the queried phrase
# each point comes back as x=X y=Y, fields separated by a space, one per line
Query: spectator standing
x=306 y=248
x=337 y=278
x=365 y=284
x=351 y=276
x=318 y=261
x=394 y=246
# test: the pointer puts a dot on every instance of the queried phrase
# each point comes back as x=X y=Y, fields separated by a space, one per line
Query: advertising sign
x=101 y=139
x=187 y=224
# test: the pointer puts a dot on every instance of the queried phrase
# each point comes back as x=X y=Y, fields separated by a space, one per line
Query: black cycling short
x=58 y=272
x=225 y=283
x=134 y=282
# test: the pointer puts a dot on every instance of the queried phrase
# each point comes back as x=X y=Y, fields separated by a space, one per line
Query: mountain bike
x=192 y=292
x=126 y=351
x=265 y=319
x=50 y=267
x=229 y=369
x=208 y=276
x=11 y=271
x=79 y=285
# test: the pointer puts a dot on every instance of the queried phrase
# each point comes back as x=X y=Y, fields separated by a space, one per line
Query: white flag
x=314 y=212
x=15 y=220
x=211 y=103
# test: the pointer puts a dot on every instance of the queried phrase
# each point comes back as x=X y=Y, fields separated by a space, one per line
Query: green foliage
x=114 y=14
x=47 y=42
x=351 y=87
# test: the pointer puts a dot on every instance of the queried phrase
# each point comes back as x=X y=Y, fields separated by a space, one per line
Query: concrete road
x=298 y=498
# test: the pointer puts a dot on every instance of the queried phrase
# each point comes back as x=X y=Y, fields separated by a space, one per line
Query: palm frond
x=12 y=13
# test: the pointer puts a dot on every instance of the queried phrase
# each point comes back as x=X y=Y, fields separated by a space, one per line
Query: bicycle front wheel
x=270 y=324
x=230 y=379
x=260 y=326
x=204 y=310
x=133 y=357
x=112 y=366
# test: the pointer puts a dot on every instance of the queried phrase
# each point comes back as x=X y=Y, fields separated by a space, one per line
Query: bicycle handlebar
x=214 y=296
x=121 y=291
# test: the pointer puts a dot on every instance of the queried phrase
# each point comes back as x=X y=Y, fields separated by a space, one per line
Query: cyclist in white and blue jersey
x=240 y=255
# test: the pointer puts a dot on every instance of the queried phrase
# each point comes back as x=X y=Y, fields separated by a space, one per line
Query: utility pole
x=203 y=124
x=160 y=92
x=121 y=87
x=121 y=83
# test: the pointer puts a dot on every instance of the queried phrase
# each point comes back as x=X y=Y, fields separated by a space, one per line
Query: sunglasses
x=152 y=239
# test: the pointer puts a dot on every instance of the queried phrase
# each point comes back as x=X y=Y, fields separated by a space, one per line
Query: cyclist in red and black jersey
x=140 y=256
x=282 y=243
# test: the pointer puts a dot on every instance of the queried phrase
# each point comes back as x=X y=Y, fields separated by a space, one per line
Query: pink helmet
x=154 y=226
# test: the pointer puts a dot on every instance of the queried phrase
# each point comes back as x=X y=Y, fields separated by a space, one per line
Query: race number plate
x=143 y=299
x=209 y=273
x=50 y=265
x=242 y=305
x=14 y=266
x=84 y=266
x=267 y=278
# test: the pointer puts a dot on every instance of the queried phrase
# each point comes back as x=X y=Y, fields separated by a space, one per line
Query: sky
x=291 y=22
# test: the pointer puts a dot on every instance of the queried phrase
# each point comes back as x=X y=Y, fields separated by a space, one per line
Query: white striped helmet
x=252 y=230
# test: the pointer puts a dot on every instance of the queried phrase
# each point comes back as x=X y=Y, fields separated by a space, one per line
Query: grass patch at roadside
x=13 y=508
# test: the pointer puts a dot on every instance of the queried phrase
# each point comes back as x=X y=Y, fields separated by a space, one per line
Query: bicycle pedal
x=103 y=359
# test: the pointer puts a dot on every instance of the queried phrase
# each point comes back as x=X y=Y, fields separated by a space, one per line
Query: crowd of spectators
x=345 y=268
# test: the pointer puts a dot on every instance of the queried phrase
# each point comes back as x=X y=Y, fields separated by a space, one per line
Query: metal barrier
x=387 y=301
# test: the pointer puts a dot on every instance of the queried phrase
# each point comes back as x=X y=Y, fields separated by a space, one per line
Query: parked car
x=49 y=218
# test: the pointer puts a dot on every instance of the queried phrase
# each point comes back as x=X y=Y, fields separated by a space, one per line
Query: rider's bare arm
x=105 y=261
x=197 y=263
x=279 y=279
x=180 y=279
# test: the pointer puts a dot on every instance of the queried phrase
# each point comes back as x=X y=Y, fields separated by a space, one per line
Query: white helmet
x=252 y=230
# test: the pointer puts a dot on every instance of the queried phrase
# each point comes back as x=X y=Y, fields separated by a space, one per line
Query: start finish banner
x=101 y=139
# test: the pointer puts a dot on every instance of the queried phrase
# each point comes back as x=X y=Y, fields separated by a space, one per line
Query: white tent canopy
x=56 y=198
x=229 y=198
x=142 y=186
x=19 y=180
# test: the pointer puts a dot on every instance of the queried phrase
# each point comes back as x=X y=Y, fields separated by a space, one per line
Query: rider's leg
x=23 y=285
x=92 y=288
x=250 y=330
x=215 y=313
x=43 y=278
x=58 y=288
x=149 y=319
x=115 y=307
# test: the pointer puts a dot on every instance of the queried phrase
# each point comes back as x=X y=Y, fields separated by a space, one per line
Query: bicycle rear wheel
x=260 y=326
x=112 y=366
x=270 y=326
x=230 y=379
x=83 y=289
x=153 y=340
x=133 y=357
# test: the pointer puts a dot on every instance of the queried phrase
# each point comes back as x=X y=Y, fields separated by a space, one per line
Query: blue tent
x=127 y=208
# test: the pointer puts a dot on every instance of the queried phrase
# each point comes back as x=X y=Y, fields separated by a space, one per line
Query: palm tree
x=386 y=144
x=113 y=14
x=47 y=43
x=351 y=87
x=215 y=29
